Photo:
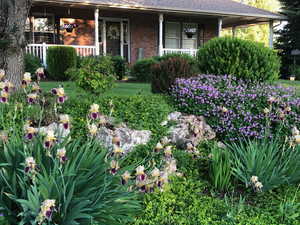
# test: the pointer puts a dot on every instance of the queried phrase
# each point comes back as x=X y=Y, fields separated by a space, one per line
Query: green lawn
x=121 y=89
x=129 y=89
x=288 y=83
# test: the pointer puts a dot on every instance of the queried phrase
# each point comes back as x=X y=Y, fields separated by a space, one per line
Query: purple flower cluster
x=236 y=108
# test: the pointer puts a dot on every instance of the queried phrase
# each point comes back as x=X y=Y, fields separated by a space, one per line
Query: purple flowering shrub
x=236 y=108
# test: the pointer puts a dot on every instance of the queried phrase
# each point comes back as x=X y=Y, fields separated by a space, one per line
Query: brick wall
x=84 y=34
x=144 y=34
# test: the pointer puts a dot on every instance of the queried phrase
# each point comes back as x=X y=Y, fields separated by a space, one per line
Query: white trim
x=104 y=36
x=271 y=33
x=192 y=52
x=122 y=38
x=40 y=50
x=97 y=32
x=220 y=25
x=161 y=32
x=129 y=40
x=233 y=31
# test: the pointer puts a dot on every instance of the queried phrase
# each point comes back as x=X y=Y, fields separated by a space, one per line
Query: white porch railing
x=40 y=50
x=192 y=52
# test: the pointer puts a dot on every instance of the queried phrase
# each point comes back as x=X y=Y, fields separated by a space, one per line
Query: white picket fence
x=40 y=50
x=192 y=52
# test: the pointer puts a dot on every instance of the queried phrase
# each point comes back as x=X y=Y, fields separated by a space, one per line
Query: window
x=176 y=35
x=41 y=29
x=189 y=42
x=172 y=37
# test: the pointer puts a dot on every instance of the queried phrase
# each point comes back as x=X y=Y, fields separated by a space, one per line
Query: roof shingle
x=222 y=7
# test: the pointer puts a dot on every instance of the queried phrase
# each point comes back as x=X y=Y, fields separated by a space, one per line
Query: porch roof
x=205 y=7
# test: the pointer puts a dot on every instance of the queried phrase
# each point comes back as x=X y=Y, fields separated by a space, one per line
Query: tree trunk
x=13 y=15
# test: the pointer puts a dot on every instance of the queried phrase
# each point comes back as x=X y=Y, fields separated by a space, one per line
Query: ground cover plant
x=237 y=109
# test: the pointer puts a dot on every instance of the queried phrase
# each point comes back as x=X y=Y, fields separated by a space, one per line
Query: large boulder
x=129 y=138
x=189 y=129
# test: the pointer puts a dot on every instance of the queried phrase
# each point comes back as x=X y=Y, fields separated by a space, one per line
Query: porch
x=130 y=33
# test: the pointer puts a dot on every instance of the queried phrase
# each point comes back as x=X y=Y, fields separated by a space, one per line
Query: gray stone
x=129 y=138
x=174 y=116
x=189 y=129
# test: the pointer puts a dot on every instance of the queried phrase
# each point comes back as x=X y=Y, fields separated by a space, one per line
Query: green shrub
x=96 y=74
x=273 y=163
x=142 y=69
x=244 y=59
x=82 y=187
x=59 y=60
x=32 y=63
x=220 y=169
x=120 y=66
x=191 y=60
x=165 y=73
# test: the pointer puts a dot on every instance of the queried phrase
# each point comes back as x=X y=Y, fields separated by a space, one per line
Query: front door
x=113 y=38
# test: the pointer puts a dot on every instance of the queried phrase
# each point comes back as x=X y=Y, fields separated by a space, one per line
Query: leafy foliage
x=32 y=63
x=59 y=60
x=244 y=59
x=167 y=71
x=82 y=187
x=120 y=66
x=96 y=74
x=220 y=169
x=142 y=69
x=273 y=163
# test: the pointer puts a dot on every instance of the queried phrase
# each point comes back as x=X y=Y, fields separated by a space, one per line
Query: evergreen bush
x=244 y=59
x=59 y=60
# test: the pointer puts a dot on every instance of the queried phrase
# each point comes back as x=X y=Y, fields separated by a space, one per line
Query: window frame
x=198 y=38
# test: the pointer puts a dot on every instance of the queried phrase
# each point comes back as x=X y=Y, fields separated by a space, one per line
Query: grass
x=121 y=89
x=129 y=89
x=288 y=83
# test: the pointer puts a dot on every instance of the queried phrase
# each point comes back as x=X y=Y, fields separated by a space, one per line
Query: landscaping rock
x=129 y=138
x=189 y=129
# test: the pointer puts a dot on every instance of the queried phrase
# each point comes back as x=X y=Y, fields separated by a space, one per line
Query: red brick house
x=136 y=28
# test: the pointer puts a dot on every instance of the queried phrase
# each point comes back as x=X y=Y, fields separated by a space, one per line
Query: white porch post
x=161 y=46
x=97 y=32
x=234 y=32
x=271 y=35
x=220 y=25
x=104 y=36
x=122 y=39
x=44 y=52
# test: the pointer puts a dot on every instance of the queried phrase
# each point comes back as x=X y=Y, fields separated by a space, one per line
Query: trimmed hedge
x=59 y=60
x=244 y=59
